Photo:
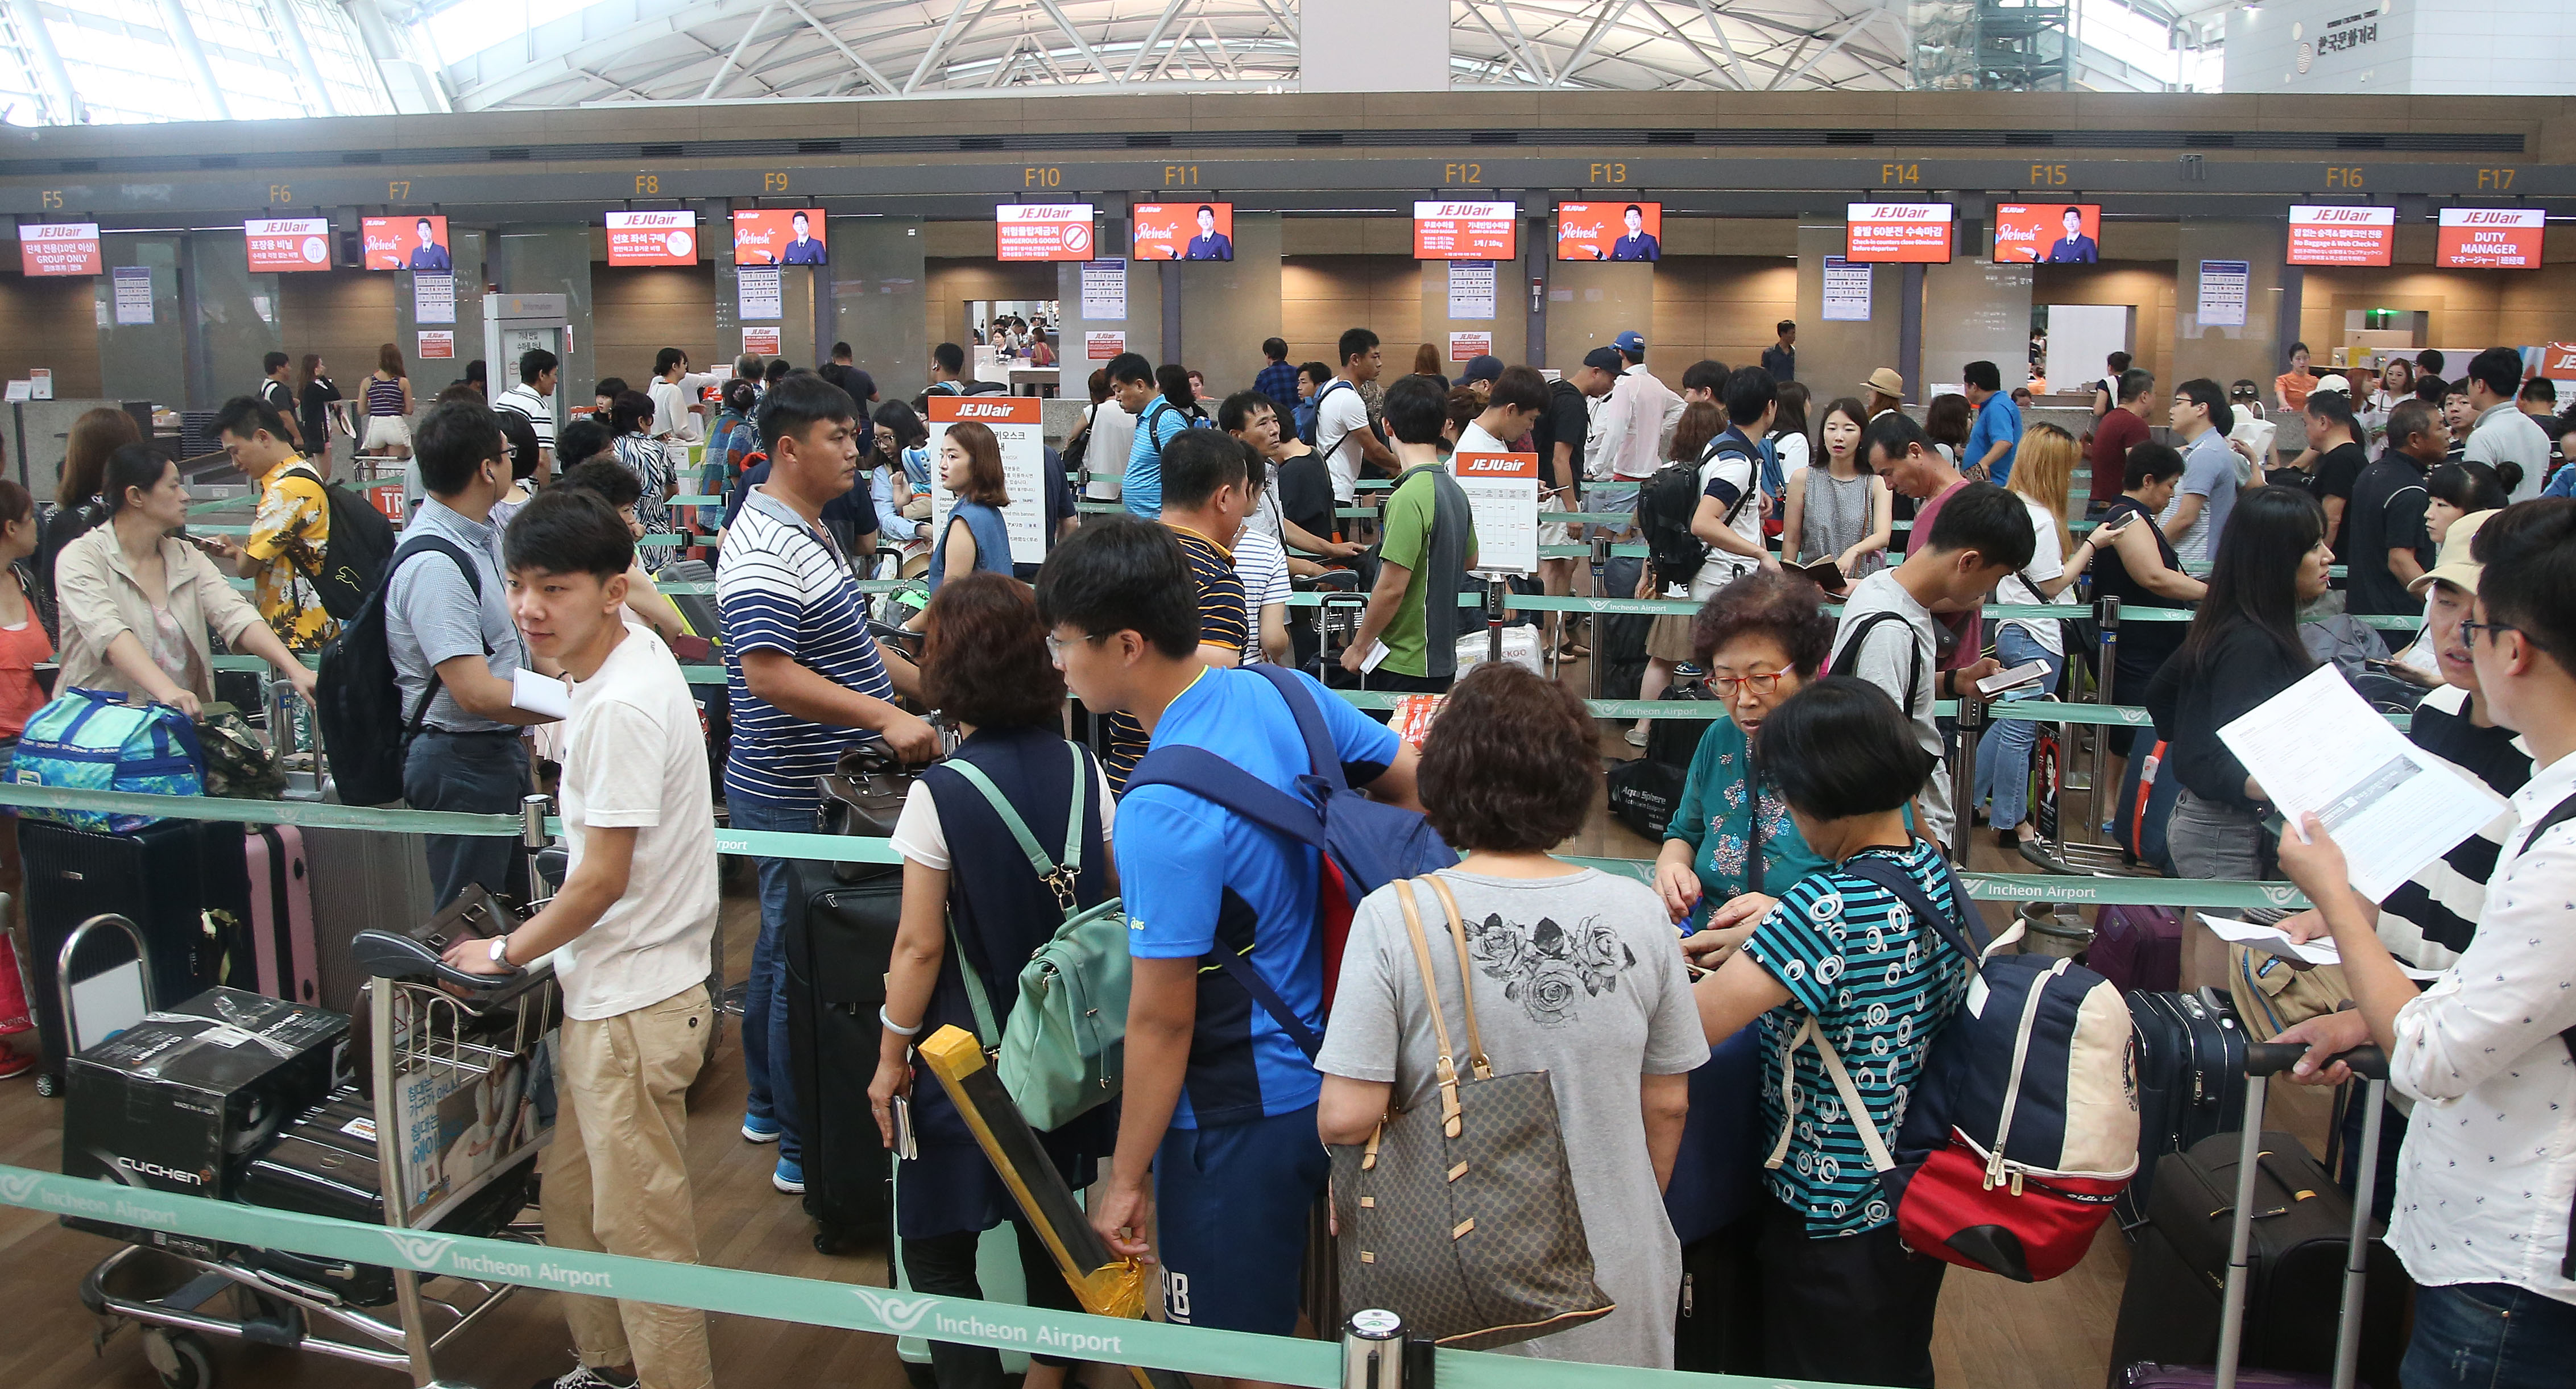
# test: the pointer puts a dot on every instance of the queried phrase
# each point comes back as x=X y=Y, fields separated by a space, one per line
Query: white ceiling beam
x=1601 y=26
x=1152 y=36
x=1082 y=46
x=930 y=55
x=723 y=69
x=1855 y=25
x=866 y=68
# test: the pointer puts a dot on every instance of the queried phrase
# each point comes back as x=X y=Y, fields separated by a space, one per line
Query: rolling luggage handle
x=2263 y=1060
x=74 y=1042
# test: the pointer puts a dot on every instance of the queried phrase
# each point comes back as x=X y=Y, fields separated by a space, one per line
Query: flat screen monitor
x=1466 y=231
x=779 y=236
x=58 y=248
x=1184 y=231
x=281 y=244
x=1043 y=231
x=2341 y=234
x=407 y=243
x=2491 y=238
x=652 y=238
x=1877 y=233
x=2048 y=233
x=1610 y=231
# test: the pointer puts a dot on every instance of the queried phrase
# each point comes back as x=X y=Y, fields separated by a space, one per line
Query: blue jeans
x=764 y=1008
x=2003 y=754
x=2488 y=1336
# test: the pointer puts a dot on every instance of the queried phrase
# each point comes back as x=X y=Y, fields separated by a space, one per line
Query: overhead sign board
x=779 y=236
x=1043 y=231
x=2048 y=233
x=1609 y=231
x=407 y=243
x=2491 y=238
x=288 y=243
x=58 y=248
x=1184 y=231
x=1876 y=233
x=2341 y=234
x=1466 y=231
x=652 y=238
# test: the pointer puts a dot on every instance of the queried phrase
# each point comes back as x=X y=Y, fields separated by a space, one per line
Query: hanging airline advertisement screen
x=1184 y=231
x=1466 y=231
x=2048 y=233
x=1878 y=233
x=652 y=238
x=287 y=243
x=1610 y=231
x=407 y=243
x=1043 y=231
x=58 y=248
x=779 y=236
x=2342 y=234
x=2491 y=238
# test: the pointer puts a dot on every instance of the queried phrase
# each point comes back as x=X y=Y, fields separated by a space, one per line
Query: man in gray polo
x=447 y=623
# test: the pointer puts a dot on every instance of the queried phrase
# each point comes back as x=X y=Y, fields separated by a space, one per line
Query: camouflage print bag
x=239 y=766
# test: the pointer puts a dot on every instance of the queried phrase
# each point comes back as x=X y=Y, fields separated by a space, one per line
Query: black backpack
x=349 y=565
x=356 y=700
x=1668 y=501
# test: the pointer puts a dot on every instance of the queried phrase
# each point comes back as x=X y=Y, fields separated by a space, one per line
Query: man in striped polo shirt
x=806 y=683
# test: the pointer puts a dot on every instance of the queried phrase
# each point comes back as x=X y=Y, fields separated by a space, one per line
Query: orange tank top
x=21 y=648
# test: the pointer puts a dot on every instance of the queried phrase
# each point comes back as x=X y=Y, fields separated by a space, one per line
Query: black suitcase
x=185 y=884
x=1718 y=1327
x=2191 y=1082
x=1619 y=644
x=839 y=939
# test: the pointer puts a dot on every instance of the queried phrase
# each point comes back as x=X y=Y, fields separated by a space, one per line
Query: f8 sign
x=1043 y=231
x=1877 y=233
x=287 y=243
x=2341 y=234
x=58 y=248
x=2491 y=238
x=652 y=238
x=1466 y=231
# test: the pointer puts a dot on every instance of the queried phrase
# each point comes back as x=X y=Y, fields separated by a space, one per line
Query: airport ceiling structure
x=119 y=61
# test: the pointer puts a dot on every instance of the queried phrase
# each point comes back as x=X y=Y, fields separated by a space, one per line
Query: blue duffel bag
x=92 y=740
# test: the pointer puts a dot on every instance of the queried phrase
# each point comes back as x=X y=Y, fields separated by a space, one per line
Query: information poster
x=2558 y=361
x=757 y=294
x=1610 y=231
x=1016 y=426
x=133 y=294
x=433 y=298
x=58 y=248
x=1102 y=344
x=2223 y=292
x=761 y=342
x=1104 y=290
x=1880 y=233
x=2342 y=234
x=1466 y=231
x=437 y=343
x=779 y=236
x=40 y=383
x=1184 y=231
x=406 y=243
x=2048 y=233
x=1043 y=231
x=1846 y=291
x=2491 y=238
x=1471 y=289
x=278 y=244
x=652 y=238
x=1467 y=347
x=1502 y=496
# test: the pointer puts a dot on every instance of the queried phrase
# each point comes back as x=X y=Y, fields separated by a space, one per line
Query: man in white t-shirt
x=629 y=930
x=533 y=400
x=1342 y=430
x=679 y=417
x=1512 y=406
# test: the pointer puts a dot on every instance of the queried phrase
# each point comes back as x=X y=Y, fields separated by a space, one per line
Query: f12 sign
x=1043 y=231
x=58 y=248
x=2491 y=238
x=1466 y=231
x=1878 y=233
x=288 y=243
x=652 y=238
x=2341 y=234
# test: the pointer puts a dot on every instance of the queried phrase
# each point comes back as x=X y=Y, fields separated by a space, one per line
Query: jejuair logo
x=899 y=1313
x=18 y=1187
x=422 y=1252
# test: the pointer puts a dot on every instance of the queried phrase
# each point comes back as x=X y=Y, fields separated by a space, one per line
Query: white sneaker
x=1636 y=737
x=584 y=1377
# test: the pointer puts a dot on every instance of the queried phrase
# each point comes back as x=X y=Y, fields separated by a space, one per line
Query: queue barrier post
x=1600 y=643
x=2106 y=614
x=1498 y=591
x=1971 y=720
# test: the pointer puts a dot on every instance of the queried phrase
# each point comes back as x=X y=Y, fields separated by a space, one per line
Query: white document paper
x=2272 y=940
x=539 y=694
x=2316 y=747
x=1377 y=653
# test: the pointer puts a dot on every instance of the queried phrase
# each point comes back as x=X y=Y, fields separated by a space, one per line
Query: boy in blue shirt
x=1219 y=1094
x=1996 y=435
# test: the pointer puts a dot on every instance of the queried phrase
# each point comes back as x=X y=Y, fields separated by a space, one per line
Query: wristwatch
x=501 y=951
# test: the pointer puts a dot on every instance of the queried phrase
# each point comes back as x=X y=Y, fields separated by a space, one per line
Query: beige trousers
x=617 y=1178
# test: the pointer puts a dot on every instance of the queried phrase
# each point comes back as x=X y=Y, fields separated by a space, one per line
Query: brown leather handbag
x=863 y=796
x=1461 y=1219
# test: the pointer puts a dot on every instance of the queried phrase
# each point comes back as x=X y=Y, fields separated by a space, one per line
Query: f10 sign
x=2341 y=234
x=1043 y=231
x=2491 y=238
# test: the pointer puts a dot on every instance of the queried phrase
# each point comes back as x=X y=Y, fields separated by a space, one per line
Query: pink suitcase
x=281 y=914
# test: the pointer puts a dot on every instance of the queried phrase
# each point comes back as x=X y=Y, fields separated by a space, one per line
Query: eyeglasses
x=1055 y=645
x=2469 y=630
x=1758 y=683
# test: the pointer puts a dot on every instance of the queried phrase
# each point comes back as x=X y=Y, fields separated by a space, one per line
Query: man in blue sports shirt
x=1995 y=436
x=1219 y=1094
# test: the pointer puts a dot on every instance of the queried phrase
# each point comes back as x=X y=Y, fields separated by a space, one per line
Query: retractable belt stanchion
x=1600 y=647
x=1963 y=771
x=2106 y=613
x=1376 y=1354
x=1496 y=591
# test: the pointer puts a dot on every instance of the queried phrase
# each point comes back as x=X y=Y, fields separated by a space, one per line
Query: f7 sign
x=2341 y=234
x=2491 y=238
x=287 y=243
x=1466 y=231
x=58 y=248
x=652 y=238
x=1015 y=428
x=1878 y=233
x=1043 y=231
x=1502 y=501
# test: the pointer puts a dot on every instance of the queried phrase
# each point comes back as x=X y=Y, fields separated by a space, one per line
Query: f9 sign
x=2491 y=238
x=1043 y=231
x=1466 y=231
x=58 y=248
x=287 y=243
x=1877 y=233
x=652 y=238
x=2341 y=234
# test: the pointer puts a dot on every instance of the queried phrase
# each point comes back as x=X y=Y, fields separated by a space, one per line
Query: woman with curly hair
x=1575 y=973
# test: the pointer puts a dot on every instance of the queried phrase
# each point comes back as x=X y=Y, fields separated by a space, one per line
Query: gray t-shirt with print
x=1579 y=976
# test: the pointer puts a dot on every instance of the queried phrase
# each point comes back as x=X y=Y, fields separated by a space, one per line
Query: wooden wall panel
x=1322 y=295
x=346 y=315
x=1725 y=307
x=50 y=321
x=636 y=311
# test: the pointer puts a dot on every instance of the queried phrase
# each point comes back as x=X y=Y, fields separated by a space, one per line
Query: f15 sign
x=1466 y=231
x=1883 y=232
x=652 y=238
x=288 y=243
x=2491 y=238
x=58 y=248
x=1043 y=231
x=2341 y=234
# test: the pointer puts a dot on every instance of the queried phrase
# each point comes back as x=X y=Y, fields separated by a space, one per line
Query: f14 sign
x=1016 y=428
x=1877 y=233
x=652 y=238
x=58 y=248
x=1466 y=231
x=2491 y=238
x=288 y=243
x=2341 y=234
x=1043 y=231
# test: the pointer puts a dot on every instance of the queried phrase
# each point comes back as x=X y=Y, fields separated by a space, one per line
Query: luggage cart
x=432 y=1032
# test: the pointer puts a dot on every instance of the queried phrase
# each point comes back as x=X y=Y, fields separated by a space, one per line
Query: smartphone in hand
x=2012 y=678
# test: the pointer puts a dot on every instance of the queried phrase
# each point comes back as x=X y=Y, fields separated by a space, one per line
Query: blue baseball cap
x=1631 y=342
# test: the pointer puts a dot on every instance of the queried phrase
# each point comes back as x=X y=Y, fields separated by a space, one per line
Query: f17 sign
x=652 y=238
x=1466 y=231
x=1882 y=232
x=2341 y=234
x=1043 y=231
x=288 y=243
x=58 y=248
x=2491 y=238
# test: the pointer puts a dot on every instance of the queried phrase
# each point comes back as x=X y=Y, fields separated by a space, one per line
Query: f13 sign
x=1876 y=233
x=1043 y=231
x=652 y=238
x=2341 y=234
x=2491 y=238
x=288 y=243
x=1466 y=231
x=58 y=248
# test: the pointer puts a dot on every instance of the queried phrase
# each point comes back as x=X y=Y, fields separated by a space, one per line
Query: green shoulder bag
x=1065 y=1048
